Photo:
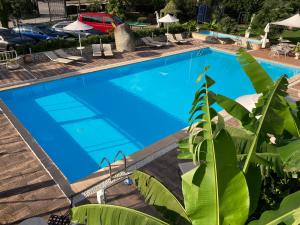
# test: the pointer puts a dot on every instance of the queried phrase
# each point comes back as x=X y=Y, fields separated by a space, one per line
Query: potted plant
x=297 y=50
x=28 y=57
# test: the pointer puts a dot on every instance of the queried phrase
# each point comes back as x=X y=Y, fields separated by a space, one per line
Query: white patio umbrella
x=264 y=40
x=167 y=19
x=78 y=26
x=293 y=21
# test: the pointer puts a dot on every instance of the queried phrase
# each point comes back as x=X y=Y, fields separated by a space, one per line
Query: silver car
x=60 y=28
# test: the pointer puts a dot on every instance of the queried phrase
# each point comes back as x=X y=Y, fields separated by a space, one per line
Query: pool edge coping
x=49 y=165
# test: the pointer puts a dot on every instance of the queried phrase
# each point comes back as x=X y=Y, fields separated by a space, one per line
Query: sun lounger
x=150 y=44
x=53 y=57
x=107 y=50
x=97 y=51
x=155 y=42
x=63 y=54
x=171 y=39
x=180 y=38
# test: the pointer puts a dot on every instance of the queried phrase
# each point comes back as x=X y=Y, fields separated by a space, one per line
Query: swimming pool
x=81 y=119
x=233 y=37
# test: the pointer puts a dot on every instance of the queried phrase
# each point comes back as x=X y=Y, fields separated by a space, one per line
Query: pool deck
x=27 y=188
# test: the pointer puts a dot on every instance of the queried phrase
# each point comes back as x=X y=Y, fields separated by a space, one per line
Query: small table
x=80 y=49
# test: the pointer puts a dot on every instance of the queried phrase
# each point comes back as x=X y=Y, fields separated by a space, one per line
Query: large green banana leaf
x=161 y=198
x=290 y=155
x=288 y=212
x=215 y=192
x=270 y=107
x=262 y=83
x=260 y=79
x=96 y=214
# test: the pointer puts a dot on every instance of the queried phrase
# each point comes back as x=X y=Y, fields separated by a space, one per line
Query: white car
x=60 y=28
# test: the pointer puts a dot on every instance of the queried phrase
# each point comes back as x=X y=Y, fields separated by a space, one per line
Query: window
x=117 y=19
x=108 y=20
x=92 y=19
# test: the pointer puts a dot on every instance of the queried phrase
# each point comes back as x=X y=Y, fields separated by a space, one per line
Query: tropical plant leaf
x=288 y=212
x=260 y=79
x=161 y=198
x=215 y=192
x=263 y=83
x=184 y=149
x=290 y=155
x=271 y=120
x=94 y=214
x=236 y=110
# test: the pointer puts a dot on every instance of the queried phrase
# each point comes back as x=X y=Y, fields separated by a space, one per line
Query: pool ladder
x=104 y=159
x=100 y=188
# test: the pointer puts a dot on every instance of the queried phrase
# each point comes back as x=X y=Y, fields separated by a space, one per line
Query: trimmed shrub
x=106 y=38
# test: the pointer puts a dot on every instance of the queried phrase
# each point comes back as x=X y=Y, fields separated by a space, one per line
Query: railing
x=114 y=179
x=106 y=160
x=124 y=159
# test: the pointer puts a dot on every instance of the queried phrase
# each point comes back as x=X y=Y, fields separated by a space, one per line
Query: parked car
x=59 y=27
x=103 y=22
x=51 y=32
x=9 y=40
x=33 y=32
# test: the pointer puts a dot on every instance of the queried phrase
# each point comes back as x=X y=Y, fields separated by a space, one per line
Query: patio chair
x=9 y=59
x=97 y=50
x=63 y=54
x=156 y=42
x=53 y=57
x=280 y=50
x=171 y=39
x=150 y=44
x=107 y=50
x=180 y=38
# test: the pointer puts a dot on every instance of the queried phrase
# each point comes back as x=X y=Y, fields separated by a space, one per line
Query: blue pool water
x=233 y=37
x=81 y=119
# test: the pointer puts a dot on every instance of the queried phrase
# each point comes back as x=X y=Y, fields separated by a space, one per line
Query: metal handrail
x=124 y=158
x=102 y=161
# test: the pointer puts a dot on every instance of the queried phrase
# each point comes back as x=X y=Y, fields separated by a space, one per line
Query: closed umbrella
x=264 y=40
x=78 y=26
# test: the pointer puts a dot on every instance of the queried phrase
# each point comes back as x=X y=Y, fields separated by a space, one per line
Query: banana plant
x=288 y=212
x=273 y=114
x=159 y=196
x=94 y=214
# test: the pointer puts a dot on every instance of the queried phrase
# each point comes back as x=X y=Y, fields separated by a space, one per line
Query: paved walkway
x=27 y=190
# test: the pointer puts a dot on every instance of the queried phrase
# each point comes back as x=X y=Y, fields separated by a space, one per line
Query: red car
x=100 y=21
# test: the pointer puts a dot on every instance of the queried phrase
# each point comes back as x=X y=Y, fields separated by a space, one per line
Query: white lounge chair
x=53 y=57
x=155 y=42
x=97 y=50
x=150 y=44
x=107 y=50
x=171 y=39
x=180 y=38
x=63 y=54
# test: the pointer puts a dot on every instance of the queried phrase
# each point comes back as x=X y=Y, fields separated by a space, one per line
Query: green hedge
x=107 y=38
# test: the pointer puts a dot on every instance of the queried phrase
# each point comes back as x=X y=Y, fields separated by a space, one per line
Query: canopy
x=168 y=19
x=293 y=21
x=77 y=26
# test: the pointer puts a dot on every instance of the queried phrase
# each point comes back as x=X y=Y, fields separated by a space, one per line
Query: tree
x=4 y=5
